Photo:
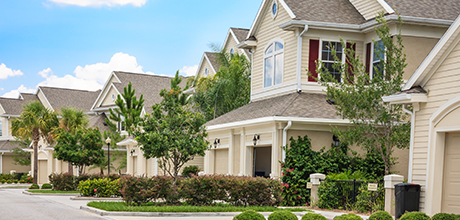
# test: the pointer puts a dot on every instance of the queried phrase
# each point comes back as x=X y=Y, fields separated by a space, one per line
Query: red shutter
x=351 y=76
x=313 y=56
x=368 y=57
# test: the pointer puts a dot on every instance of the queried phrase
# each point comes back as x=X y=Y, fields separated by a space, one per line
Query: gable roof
x=240 y=33
x=212 y=59
x=435 y=9
x=14 y=106
x=305 y=105
x=148 y=85
x=437 y=55
x=60 y=98
x=7 y=145
x=333 y=11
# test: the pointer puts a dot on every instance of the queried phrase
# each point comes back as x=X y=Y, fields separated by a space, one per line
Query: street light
x=108 y=140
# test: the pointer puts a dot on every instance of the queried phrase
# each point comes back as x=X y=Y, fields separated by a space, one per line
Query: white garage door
x=451 y=182
x=221 y=161
x=42 y=171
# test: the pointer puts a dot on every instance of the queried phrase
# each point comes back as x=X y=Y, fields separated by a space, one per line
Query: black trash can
x=407 y=198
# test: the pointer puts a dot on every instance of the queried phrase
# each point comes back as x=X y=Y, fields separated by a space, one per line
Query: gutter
x=299 y=58
x=283 y=156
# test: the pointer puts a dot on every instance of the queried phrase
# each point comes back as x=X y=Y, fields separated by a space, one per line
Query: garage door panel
x=451 y=181
x=221 y=161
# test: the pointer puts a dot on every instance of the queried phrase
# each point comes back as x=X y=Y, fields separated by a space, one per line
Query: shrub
x=15 y=181
x=313 y=216
x=99 y=187
x=138 y=190
x=282 y=215
x=415 y=216
x=47 y=186
x=369 y=201
x=445 y=216
x=249 y=215
x=190 y=170
x=381 y=215
x=63 y=181
x=349 y=216
x=34 y=186
x=253 y=191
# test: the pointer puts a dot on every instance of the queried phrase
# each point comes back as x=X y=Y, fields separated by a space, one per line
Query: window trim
x=205 y=72
x=371 y=65
x=276 y=7
x=272 y=42
x=320 y=55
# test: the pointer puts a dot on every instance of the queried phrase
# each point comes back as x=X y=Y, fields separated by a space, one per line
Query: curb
x=49 y=194
x=95 y=198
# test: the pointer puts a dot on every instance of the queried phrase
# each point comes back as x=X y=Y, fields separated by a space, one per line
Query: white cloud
x=101 y=71
x=70 y=82
x=6 y=72
x=99 y=3
x=45 y=73
x=189 y=70
x=15 y=93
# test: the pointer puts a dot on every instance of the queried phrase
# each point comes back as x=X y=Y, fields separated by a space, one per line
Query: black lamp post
x=108 y=154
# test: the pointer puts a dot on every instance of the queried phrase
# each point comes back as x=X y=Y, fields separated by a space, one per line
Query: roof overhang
x=247 y=44
x=274 y=119
x=190 y=91
x=9 y=115
x=127 y=141
x=406 y=98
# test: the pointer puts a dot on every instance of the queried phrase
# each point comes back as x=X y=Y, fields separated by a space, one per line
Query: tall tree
x=377 y=126
x=35 y=122
x=227 y=90
x=173 y=133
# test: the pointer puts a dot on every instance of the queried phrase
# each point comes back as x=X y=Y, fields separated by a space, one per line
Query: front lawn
x=52 y=191
x=151 y=207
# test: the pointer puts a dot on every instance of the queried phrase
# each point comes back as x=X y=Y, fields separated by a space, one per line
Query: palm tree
x=35 y=122
x=71 y=120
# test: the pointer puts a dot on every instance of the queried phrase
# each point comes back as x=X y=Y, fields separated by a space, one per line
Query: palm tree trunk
x=35 y=145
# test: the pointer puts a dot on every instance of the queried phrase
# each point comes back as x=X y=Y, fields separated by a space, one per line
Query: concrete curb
x=96 y=198
x=49 y=194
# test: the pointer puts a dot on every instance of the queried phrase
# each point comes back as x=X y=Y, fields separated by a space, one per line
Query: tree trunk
x=70 y=168
x=35 y=139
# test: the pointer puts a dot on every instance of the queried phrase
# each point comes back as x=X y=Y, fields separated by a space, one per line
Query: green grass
x=51 y=191
x=121 y=206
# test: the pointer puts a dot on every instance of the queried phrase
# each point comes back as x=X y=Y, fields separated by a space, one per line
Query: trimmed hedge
x=381 y=215
x=34 y=186
x=202 y=190
x=415 y=216
x=69 y=182
x=349 y=216
x=313 y=216
x=99 y=187
x=282 y=215
x=249 y=215
x=445 y=216
x=47 y=186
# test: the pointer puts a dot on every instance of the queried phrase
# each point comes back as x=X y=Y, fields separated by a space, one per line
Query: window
x=113 y=97
x=377 y=58
x=232 y=52
x=274 y=9
x=1 y=127
x=328 y=59
x=273 y=64
x=206 y=72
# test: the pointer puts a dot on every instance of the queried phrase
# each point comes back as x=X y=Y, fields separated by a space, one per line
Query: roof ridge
x=240 y=28
x=80 y=90
x=287 y=106
x=144 y=74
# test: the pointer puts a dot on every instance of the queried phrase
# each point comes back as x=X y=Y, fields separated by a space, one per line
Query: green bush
x=249 y=215
x=190 y=170
x=415 y=216
x=282 y=215
x=381 y=215
x=34 y=186
x=370 y=201
x=445 y=216
x=349 y=216
x=99 y=187
x=313 y=216
x=63 y=181
x=47 y=186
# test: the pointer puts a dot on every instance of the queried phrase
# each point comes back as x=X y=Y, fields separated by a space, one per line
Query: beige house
x=285 y=40
x=434 y=93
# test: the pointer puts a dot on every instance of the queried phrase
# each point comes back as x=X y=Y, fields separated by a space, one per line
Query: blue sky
x=77 y=43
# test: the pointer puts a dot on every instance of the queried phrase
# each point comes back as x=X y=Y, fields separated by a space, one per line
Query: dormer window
x=206 y=72
x=273 y=64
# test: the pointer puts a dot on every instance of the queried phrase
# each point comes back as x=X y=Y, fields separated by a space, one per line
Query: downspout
x=412 y=132
x=1 y=162
x=283 y=156
x=251 y=52
x=299 y=58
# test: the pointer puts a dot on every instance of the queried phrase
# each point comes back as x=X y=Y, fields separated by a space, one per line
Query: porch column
x=230 y=152
x=242 y=152
x=390 y=181
x=275 y=155
x=129 y=160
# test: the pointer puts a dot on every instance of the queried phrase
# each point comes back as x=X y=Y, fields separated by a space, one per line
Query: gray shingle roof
x=98 y=121
x=415 y=89
x=7 y=145
x=306 y=105
x=334 y=11
x=14 y=106
x=148 y=85
x=213 y=59
x=436 y=9
x=79 y=99
x=240 y=33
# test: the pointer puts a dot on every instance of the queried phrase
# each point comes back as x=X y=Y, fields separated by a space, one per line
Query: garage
x=42 y=174
x=221 y=161
x=451 y=179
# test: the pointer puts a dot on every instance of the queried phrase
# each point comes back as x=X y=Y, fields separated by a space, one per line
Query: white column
x=242 y=152
x=275 y=155
x=390 y=181
x=1 y=162
x=140 y=162
x=129 y=160
x=230 y=152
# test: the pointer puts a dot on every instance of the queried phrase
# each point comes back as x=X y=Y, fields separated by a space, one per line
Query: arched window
x=206 y=72
x=273 y=64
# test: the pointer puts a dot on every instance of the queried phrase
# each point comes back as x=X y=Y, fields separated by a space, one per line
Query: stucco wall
x=8 y=165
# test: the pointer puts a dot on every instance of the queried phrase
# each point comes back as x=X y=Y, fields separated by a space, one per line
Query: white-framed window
x=206 y=72
x=378 y=55
x=232 y=52
x=120 y=125
x=113 y=97
x=328 y=59
x=274 y=8
x=273 y=63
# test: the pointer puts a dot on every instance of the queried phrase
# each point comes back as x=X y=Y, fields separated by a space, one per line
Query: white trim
x=273 y=54
x=273 y=90
x=448 y=129
x=272 y=119
x=320 y=55
x=210 y=64
x=271 y=9
x=104 y=96
x=46 y=99
x=288 y=10
x=385 y=6
x=199 y=65
x=406 y=98
x=105 y=85
x=445 y=109
x=425 y=68
x=247 y=44
x=2 y=108
x=299 y=56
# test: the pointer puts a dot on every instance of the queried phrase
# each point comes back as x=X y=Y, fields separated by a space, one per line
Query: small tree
x=82 y=148
x=377 y=126
x=173 y=133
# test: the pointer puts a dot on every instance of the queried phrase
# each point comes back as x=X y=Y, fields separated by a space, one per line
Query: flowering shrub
x=99 y=187
x=68 y=182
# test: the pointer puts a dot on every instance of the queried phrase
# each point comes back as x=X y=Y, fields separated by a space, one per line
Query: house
x=433 y=91
x=10 y=109
x=150 y=86
x=285 y=40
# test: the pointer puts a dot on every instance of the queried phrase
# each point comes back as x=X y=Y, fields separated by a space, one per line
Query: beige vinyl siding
x=231 y=43
x=368 y=8
x=268 y=31
x=197 y=161
x=4 y=126
x=205 y=64
x=416 y=49
x=440 y=89
x=108 y=98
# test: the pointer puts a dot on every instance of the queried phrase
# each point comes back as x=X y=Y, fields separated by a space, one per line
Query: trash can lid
x=407 y=184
